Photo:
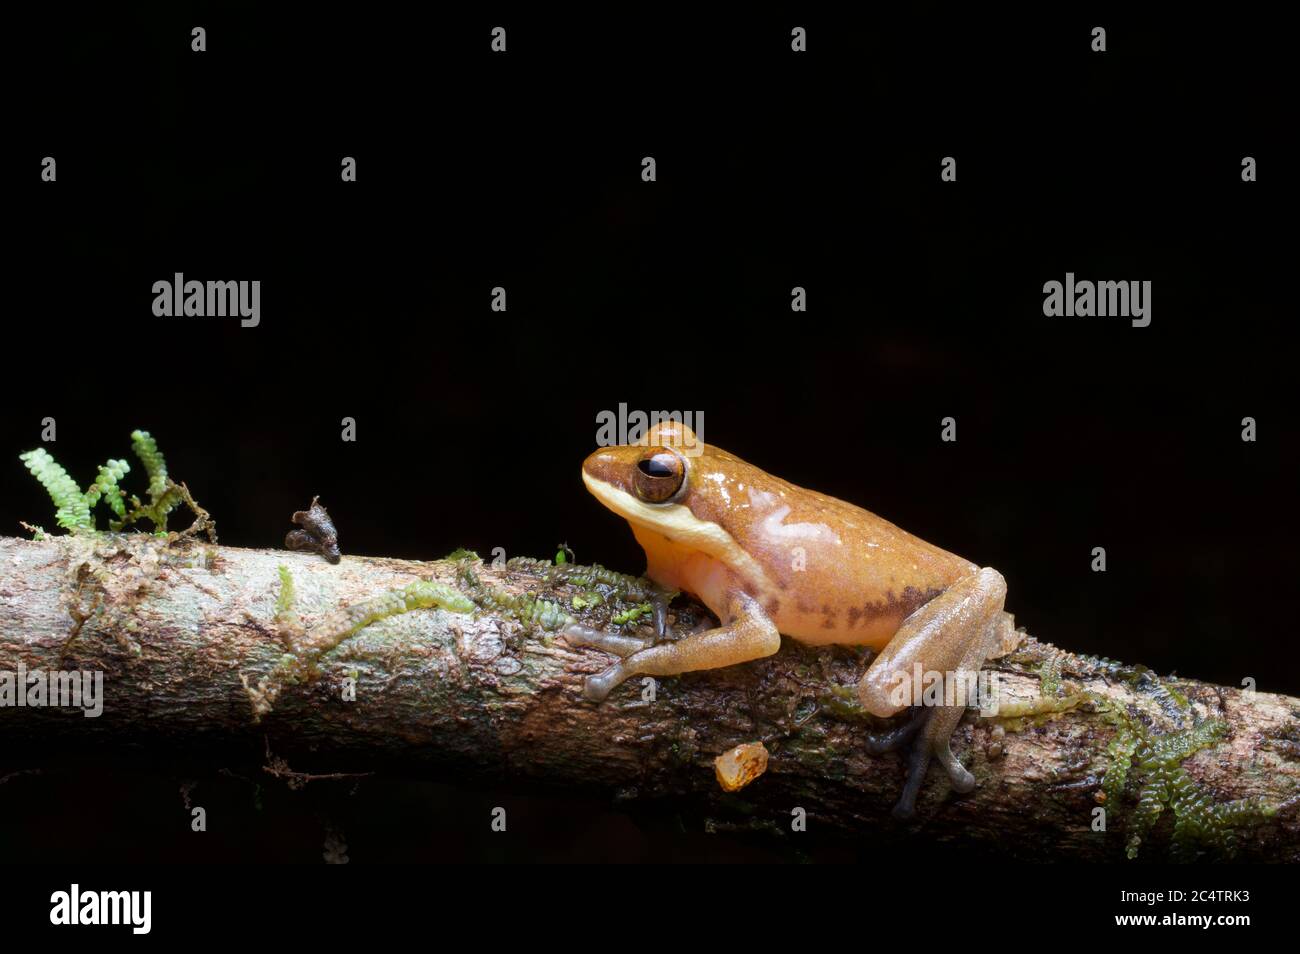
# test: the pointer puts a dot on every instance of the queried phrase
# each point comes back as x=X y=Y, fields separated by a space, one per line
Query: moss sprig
x=105 y=487
x=1165 y=787
x=528 y=608
x=74 y=509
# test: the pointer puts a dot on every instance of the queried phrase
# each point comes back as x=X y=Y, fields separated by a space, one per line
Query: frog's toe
x=659 y=604
x=958 y=775
x=938 y=740
x=576 y=634
x=597 y=687
x=917 y=763
x=878 y=743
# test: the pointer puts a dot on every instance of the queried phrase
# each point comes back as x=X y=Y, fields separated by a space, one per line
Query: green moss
x=455 y=556
x=631 y=615
x=1147 y=763
x=284 y=601
x=74 y=508
x=1119 y=756
x=71 y=509
x=526 y=608
x=586 y=600
x=1052 y=701
x=164 y=494
x=1019 y=715
x=155 y=464
x=421 y=594
x=1154 y=762
x=1179 y=698
x=105 y=487
x=1049 y=675
x=616 y=586
x=840 y=702
x=300 y=666
x=1172 y=702
x=1174 y=747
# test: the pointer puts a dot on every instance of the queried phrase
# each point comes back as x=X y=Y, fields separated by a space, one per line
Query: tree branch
x=185 y=634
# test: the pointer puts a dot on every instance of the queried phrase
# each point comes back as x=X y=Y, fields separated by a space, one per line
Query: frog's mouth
x=661 y=517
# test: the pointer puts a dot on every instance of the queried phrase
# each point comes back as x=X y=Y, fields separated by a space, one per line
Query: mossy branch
x=453 y=667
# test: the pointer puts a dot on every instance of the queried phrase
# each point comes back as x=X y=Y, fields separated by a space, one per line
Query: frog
x=769 y=558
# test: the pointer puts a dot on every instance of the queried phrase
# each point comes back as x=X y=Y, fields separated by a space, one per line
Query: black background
x=774 y=170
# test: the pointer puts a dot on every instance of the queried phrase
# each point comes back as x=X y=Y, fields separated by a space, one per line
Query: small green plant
x=105 y=487
x=631 y=615
x=284 y=602
x=72 y=510
x=73 y=507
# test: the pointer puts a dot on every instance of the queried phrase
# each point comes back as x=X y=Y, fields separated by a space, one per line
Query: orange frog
x=767 y=558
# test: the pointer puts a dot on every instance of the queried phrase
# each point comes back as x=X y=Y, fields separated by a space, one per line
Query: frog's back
x=832 y=572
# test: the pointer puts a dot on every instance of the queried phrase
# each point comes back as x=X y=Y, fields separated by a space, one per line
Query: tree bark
x=185 y=632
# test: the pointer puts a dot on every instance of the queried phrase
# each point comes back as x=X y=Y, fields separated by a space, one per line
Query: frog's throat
x=677 y=523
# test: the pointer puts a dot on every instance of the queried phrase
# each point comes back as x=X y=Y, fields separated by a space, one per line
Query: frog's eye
x=658 y=475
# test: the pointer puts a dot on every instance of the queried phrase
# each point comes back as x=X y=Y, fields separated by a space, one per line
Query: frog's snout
x=611 y=466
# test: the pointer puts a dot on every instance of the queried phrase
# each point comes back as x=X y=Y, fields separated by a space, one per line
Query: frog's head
x=674 y=484
x=647 y=481
x=684 y=497
x=692 y=497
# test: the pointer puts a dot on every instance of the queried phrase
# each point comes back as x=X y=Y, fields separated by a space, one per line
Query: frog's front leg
x=748 y=634
x=576 y=634
x=952 y=634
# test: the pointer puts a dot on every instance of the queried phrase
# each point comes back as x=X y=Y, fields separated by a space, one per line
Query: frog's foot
x=935 y=726
x=576 y=634
x=599 y=686
x=596 y=688
x=933 y=742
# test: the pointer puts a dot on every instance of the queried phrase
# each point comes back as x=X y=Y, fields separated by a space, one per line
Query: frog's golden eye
x=658 y=475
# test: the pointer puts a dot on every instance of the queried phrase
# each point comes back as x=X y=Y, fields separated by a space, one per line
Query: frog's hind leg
x=750 y=634
x=951 y=635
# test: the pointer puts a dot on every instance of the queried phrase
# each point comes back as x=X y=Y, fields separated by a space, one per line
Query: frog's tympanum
x=767 y=558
